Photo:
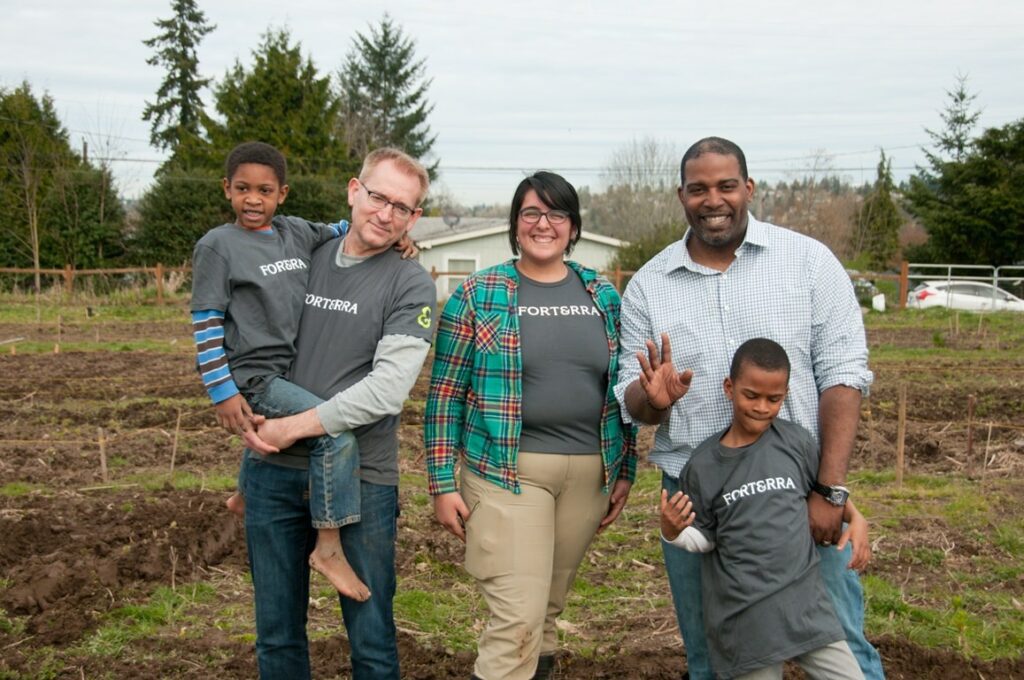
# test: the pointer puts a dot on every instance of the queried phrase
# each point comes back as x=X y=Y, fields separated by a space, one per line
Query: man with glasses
x=365 y=331
x=729 y=279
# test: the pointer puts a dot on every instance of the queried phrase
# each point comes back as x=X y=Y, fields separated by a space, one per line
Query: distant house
x=467 y=244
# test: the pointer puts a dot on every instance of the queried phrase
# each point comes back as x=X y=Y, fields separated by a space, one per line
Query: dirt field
x=75 y=547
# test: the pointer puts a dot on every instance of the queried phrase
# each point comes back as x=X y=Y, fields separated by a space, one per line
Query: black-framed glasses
x=533 y=215
x=399 y=211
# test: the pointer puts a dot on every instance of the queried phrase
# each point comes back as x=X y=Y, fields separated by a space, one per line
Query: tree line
x=964 y=206
x=59 y=207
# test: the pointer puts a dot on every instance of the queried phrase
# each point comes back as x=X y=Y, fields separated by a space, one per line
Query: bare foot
x=236 y=504
x=332 y=564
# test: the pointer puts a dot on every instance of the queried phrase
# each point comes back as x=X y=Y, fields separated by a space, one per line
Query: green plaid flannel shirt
x=475 y=404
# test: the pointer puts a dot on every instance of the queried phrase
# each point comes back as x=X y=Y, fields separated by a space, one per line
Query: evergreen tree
x=960 y=119
x=282 y=100
x=631 y=257
x=178 y=115
x=383 y=94
x=279 y=99
x=55 y=209
x=879 y=221
x=973 y=209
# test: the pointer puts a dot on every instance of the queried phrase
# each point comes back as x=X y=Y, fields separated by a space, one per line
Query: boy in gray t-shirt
x=745 y=507
x=248 y=285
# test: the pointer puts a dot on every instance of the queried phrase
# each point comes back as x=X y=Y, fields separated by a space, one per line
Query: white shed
x=467 y=244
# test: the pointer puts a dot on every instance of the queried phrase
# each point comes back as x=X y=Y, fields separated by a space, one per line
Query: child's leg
x=328 y=558
x=334 y=502
x=333 y=480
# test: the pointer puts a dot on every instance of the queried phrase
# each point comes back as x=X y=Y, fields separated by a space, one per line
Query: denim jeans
x=280 y=538
x=333 y=461
x=684 y=579
x=842 y=584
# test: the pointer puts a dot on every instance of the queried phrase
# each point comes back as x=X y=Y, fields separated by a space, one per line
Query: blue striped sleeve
x=211 y=360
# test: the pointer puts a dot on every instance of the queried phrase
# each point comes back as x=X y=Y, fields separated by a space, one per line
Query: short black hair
x=257 y=152
x=557 y=194
x=761 y=352
x=713 y=145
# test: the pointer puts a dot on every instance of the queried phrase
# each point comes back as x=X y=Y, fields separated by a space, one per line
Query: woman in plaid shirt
x=525 y=360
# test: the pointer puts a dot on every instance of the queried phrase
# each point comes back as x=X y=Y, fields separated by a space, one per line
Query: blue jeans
x=280 y=538
x=842 y=584
x=333 y=461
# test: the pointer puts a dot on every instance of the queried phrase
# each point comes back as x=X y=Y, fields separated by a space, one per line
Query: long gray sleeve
x=396 y=365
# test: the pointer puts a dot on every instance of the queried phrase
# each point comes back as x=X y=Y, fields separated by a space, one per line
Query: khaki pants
x=523 y=550
x=831 y=662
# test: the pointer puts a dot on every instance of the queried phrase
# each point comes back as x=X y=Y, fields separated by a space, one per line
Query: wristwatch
x=836 y=495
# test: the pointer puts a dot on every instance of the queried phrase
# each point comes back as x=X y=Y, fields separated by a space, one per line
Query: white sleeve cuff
x=691 y=540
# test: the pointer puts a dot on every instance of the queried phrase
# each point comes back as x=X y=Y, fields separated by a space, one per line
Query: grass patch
x=15 y=489
x=448 y=617
x=154 y=481
x=133 y=622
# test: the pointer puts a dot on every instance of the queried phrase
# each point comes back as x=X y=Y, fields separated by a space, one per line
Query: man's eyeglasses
x=533 y=215
x=399 y=211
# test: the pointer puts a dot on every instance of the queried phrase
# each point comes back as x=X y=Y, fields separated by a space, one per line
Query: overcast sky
x=519 y=86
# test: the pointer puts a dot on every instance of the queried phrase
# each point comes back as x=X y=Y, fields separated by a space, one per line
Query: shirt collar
x=756 y=237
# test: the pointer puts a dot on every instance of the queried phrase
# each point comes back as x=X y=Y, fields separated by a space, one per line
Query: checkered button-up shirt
x=474 y=408
x=782 y=285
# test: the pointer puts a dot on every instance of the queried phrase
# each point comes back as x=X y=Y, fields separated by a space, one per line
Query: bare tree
x=640 y=181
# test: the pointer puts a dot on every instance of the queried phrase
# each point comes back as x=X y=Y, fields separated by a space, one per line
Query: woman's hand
x=616 y=502
x=451 y=511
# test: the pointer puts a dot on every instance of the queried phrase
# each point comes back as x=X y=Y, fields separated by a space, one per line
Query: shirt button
x=726 y=307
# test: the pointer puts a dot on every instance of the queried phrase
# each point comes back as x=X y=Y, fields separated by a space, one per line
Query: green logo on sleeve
x=424 y=318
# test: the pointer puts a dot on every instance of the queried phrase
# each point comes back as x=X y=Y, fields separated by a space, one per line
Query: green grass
x=157 y=480
x=45 y=347
x=957 y=590
x=14 y=489
x=165 y=607
x=446 y=616
x=22 y=309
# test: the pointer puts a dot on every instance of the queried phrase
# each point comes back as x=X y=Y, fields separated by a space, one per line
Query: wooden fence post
x=904 y=283
x=69 y=279
x=159 y=283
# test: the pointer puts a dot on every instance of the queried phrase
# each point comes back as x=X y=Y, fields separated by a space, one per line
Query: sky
x=563 y=86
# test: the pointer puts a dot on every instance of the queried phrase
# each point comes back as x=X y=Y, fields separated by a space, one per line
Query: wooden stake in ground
x=174 y=444
x=901 y=435
x=970 y=427
x=103 y=454
x=984 y=462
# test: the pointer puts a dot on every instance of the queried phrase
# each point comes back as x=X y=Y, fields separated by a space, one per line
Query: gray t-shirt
x=258 y=279
x=565 y=366
x=764 y=600
x=347 y=312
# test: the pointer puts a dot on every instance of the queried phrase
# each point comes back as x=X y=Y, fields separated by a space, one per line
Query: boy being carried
x=745 y=506
x=248 y=287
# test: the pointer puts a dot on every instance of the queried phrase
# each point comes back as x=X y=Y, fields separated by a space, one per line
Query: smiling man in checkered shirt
x=731 y=278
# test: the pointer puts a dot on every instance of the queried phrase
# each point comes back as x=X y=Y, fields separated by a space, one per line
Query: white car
x=968 y=295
